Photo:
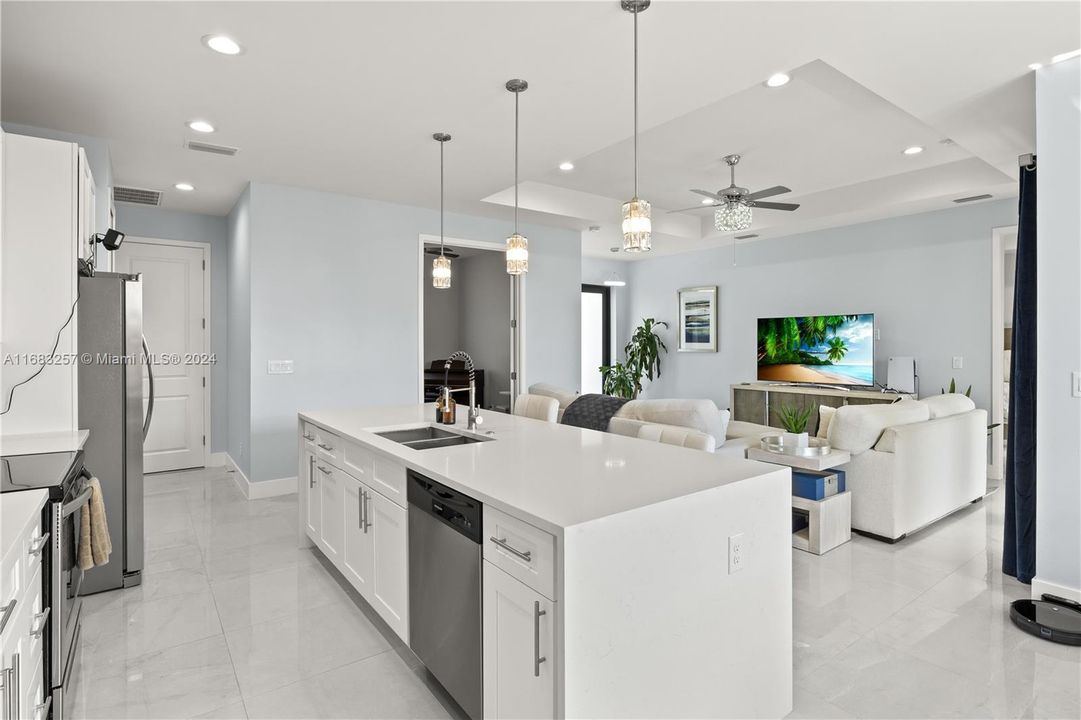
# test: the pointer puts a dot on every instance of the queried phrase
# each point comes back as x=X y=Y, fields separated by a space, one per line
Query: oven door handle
x=81 y=499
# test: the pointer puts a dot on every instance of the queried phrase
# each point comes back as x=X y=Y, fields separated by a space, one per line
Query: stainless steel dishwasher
x=445 y=588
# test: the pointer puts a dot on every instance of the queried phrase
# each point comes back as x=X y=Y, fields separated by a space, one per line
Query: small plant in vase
x=794 y=421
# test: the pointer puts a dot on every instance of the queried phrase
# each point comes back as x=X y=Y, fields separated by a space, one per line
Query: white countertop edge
x=37 y=443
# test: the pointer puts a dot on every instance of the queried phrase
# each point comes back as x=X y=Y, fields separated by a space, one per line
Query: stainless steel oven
x=66 y=579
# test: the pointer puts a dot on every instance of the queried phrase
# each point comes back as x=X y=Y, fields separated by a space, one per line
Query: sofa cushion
x=701 y=415
x=825 y=416
x=564 y=397
x=856 y=428
x=676 y=435
x=948 y=404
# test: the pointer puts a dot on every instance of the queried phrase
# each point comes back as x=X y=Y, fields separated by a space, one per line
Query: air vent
x=974 y=198
x=212 y=149
x=748 y=236
x=136 y=196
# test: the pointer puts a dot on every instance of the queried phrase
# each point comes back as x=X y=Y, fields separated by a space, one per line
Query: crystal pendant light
x=732 y=216
x=517 y=245
x=637 y=226
x=441 y=265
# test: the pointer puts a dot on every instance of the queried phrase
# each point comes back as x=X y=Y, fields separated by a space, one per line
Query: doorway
x=596 y=335
x=481 y=313
x=175 y=307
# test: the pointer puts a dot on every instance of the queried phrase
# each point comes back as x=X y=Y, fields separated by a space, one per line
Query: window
x=596 y=335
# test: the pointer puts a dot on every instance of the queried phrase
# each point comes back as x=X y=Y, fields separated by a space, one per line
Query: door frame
x=517 y=296
x=998 y=327
x=207 y=281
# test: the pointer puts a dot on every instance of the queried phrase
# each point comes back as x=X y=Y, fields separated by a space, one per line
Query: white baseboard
x=260 y=490
x=1039 y=587
x=218 y=459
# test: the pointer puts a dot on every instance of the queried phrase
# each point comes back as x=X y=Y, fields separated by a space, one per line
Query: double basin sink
x=429 y=437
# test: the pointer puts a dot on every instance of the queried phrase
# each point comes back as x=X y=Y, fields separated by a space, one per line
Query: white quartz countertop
x=43 y=442
x=556 y=476
x=17 y=510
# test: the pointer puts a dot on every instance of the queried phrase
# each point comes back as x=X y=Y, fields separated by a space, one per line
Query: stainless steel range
x=63 y=475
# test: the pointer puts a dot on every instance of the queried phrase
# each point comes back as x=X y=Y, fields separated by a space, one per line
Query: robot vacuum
x=1051 y=618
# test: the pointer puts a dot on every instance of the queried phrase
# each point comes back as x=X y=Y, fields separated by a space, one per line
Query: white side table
x=829 y=523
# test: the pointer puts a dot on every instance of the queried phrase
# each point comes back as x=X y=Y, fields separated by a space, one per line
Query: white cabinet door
x=357 y=557
x=87 y=213
x=309 y=476
x=518 y=649
x=390 y=591
x=332 y=493
x=15 y=662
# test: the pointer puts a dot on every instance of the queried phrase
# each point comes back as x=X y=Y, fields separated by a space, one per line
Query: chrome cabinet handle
x=323 y=470
x=309 y=436
x=328 y=448
x=537 y=659
x=16 y=701
x=367 y=511
x=360 y=509
x=311 y=472
x=502 y=542
x=8 y=610
x=38 y=626
x=42 y=711
x=7 y=685
x=39 y=544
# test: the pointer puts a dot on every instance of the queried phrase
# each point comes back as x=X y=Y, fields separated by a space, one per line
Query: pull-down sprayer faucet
x=474 y=411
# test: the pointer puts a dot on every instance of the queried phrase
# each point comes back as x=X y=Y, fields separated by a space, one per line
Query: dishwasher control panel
x=451 y=507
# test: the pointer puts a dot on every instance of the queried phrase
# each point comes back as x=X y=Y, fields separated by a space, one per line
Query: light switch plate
x=279 y=367
x=958 y=362
x=1075 y=383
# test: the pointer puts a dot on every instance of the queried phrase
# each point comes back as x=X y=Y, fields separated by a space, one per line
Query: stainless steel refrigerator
x=113 y=357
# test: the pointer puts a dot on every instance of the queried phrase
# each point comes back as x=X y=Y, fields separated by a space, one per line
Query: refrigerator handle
x=150 y=377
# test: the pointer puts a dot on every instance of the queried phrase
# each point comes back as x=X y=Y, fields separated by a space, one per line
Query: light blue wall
x=152 y=222
x=97 y=156
x=238 y=267
x=926 y=277
x=334 y=288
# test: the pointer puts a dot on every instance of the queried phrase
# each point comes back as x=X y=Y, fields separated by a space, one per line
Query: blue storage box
x=815 y=485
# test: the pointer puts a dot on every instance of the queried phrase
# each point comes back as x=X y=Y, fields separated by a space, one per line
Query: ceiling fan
x=734 y=203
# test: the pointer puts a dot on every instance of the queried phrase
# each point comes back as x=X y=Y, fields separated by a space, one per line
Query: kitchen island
x=622 y=578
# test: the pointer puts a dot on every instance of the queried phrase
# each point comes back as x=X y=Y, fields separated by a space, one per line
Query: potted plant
x=794 y=420
x=643 y=353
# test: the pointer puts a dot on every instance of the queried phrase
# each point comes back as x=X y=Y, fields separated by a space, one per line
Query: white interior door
x=174 y=327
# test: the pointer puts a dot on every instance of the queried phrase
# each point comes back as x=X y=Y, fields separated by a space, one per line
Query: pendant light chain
x=441 y=144
x=635 y=104
x=516 y=163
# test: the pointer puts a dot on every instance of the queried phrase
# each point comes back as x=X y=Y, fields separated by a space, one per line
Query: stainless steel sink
x=428 y=437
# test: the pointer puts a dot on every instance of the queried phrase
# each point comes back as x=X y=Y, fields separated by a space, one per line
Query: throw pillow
x=825 y=415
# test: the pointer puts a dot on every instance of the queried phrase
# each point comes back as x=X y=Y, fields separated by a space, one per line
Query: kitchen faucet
x=474 y=411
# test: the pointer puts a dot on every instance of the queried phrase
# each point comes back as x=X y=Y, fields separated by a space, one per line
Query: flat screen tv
x=825 y=349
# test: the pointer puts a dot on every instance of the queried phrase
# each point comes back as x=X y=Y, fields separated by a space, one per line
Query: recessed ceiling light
x=913 y=150
x=222 y=44
x=1035 y=66
x=1065 y=56
x=777 y=80
x=566 y=166
x=186 y=187
x=201 y=126
x=707 y=201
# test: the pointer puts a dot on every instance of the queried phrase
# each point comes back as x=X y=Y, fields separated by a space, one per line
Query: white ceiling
x=344 y=97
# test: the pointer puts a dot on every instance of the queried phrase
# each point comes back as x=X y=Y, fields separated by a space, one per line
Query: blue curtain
x=1019 y=532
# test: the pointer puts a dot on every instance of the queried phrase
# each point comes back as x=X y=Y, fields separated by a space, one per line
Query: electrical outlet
x=958 y=362
x=735 y=553
x=279 y=367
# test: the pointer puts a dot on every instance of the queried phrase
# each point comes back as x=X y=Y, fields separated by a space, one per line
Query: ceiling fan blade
x=775 y=205
x=768 y=192
x=707 y=193
x=696 y=207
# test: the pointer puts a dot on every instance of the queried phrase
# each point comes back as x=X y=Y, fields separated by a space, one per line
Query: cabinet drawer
x=307 y=432
x=523 y=551
x=36 y=547
x=357 y=461
x=35 y=624
x=388 y=479
x=328 y=445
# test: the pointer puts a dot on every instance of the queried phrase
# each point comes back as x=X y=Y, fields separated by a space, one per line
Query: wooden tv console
x=761 y=402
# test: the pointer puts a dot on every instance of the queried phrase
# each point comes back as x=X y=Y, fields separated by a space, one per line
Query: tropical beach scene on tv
x=829 y=349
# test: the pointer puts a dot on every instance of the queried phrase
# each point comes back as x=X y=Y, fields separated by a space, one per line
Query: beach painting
x=698 y=319
x=828 y=349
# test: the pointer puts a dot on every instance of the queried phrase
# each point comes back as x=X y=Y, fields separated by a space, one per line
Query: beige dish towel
x=95 y=545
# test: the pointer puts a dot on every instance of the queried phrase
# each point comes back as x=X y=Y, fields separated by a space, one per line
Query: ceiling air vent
x=136 y=196
x=212 y=149
x=748 y=236
x=974 y=198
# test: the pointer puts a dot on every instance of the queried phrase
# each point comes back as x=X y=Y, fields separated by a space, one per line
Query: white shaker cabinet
x=519 y=652
x=390 y=533
x=357 y=552
x=311 y=489
x=332 y=496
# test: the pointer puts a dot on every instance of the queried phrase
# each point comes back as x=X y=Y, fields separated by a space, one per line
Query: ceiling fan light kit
x=732 y=217
x=441 y=264
x=637 y=222
x=517 y=248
